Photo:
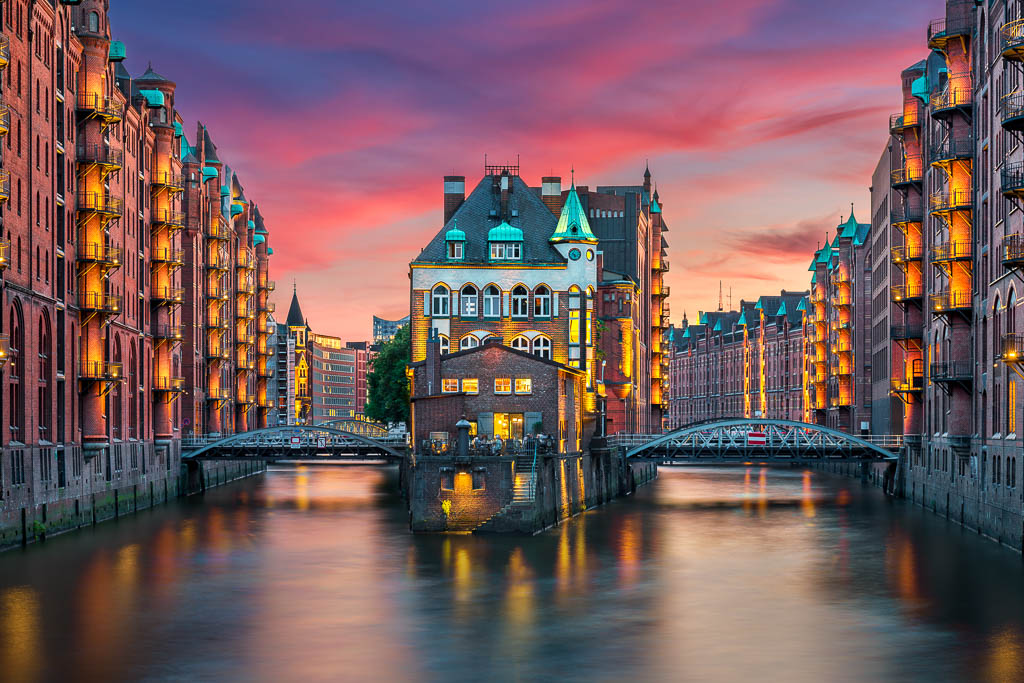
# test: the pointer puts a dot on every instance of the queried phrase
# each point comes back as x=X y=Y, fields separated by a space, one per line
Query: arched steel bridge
x=742 y=440
x=357 y=425
x=297 y=442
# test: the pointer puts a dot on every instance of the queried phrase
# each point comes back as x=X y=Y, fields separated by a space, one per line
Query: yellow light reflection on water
x=19 y=624
x=1005 y=656
x=519 y=594
x=807 y=497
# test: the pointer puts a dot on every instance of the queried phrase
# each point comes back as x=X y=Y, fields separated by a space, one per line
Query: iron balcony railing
x=99 y=253
x=99 y=370
x=101 y=303
x=1011 y=110
x=1012 y=39
x=1013 y=251
x=218 y=260
x=244 y=337
x=268 y=307
x=245 y=312
x=169 y=332
x=173 y=181
x=952 y=148
x=216 y=321
x=906 y=332
x=104 y=155
x=94 y=103
x=952 y=371
x=218 y=394
x=173 y=295
x=946 y=302
x=246 y=286
x=168 y=383
x=167 y=255
x=906 y=214
x=5 y=119
x=218 y=229
x=173 y=219
x=265 y=370
x=1012 y=179
x=951 y=251
x=903 y=293
x=5 y=51
x=217 y=292
x=957 y=22
x=953 y=200
x=905 y=385
x=910 y=117
x=5 y=254
x=1011 y=348
x=906 y=253
x=951 y=97
x=268 y=285
x=841 y=300
x=99 y=202
x=218 y=352
x=912 y=171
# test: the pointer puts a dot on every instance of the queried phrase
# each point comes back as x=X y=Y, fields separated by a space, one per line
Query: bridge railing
x=630 y=440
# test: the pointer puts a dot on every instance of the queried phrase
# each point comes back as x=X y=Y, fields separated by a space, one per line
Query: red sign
x=756 y=439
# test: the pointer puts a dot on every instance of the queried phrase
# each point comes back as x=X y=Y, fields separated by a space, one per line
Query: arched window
x=133 y=388
x=542 y=347
x=492 y=302
x=520 y=302
x=45 y=379
x=439 y=301
x=1011 y=315
x=444 y=344
x=116 y=396
x=16 y=384
x=468 y=342
x=470 y=305
x=94 y=22
x=542 y=302
x=997 y=328
x=521 y=343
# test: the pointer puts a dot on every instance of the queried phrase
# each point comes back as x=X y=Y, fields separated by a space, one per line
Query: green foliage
x=388 y=397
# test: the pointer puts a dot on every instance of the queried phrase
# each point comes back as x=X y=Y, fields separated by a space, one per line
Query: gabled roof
x=295 y=317
x=573 y=225
x=152 y=77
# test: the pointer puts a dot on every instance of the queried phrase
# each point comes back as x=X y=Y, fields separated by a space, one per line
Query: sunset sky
x=761 y=122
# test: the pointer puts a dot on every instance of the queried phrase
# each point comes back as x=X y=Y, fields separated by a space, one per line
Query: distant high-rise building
x=385 y=330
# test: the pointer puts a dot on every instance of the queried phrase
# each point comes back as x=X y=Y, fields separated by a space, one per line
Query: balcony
x=174 y=257
x=216 y=322
x=268 y=307
x=246 y=286
x=1011 y=111
x=108 y=157
x=218 y=394
x=5 y=120
x=168 y=295
x=219 y=260
x=168 y=332
x=244 y=364
x=245 y=312
x=1013 y=251
x=264 y=371
x=217 y=292
x=902 y=294
x=99 y=303
x=5 y=254
x=101 y=203
x=168 y=180
x=5 y=51
x=245 y=259
x=952 y=149
x=270 y=285
x=102 y=254
x=218 y=351
x=901 y=215
x=954 y=200
x=841 y=402
x=660 y=291
x=1012 y=40
x=106 y=108
x=842 y=300
x=913 y=383
x=1011 y=348
x=175 y=220
x=245 y=338
x=265 y=402
x=169 y=384
x=1012 y=180
x=957 y=22
x=662 y=265
x=903 y=333
x=218 y=230
x=903 y=121
x=952 y=371
x=98 y=370
x=951 y=302
x=901 y=256
x=950 y=252
x=912 y=171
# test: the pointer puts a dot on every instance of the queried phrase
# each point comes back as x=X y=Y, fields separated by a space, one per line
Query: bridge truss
x=755 y=440
x=358 y=425
x=298 y=442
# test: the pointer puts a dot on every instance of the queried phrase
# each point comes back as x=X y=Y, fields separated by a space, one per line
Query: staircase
x=523 y=492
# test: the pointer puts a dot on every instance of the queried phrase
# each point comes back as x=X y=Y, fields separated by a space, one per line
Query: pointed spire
x=647 y=169
x=295 y=317
x=573 y=225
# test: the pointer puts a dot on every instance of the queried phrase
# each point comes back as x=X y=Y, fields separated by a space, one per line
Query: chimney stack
x=433 y=364
x=506 y=187
x=454 y=195
x=551 y=193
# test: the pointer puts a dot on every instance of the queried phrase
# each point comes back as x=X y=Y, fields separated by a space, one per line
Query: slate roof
x=152 y=77
x=295 y=318
x=533 y=217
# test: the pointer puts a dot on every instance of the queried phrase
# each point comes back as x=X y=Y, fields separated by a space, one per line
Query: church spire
x=573 y=225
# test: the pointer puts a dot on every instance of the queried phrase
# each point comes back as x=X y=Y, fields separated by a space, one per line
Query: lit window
x=455 y=250
x=497 y=250
x=502 y=385
x=520 y=302
x=524 y=386
x=449 y=386
x=492 y=302
x=521 y=344
x=471 y=386
x=542 y=302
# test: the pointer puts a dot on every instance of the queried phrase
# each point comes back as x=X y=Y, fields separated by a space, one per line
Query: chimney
x=454 y=195
x=506 y=187
x=551 y=193
x=433 y=364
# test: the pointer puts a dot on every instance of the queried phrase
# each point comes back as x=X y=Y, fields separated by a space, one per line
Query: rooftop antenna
x=719 y=296
x=295 y=287
x=572 y=174
x=730 y=297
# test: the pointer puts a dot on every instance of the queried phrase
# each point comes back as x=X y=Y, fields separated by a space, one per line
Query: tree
x=388 y=397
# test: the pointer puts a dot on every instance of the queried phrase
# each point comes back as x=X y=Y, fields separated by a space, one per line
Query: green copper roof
x=741 y=321
x=236 y=209
x=782 y=309
x=117 y=52
x=252 y=225
x=835 y=244
x=919 y=88
x=270 y=250
x=504 y=233
x=454 y=234
x=209 y=172
x=154 y=98
x=825 y=254
x=803 y=304
x=814 y=261
x=718 y=326
x=654 y=206
x=259 y=239
x=572 y=222
x=849 y=228
x=814 y=279
x=225 y=190
x=260 y=230
x=178 y=130
x=759 y=305
x=702 y=318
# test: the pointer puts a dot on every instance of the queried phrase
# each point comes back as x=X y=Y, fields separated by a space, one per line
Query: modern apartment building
x=385 y=330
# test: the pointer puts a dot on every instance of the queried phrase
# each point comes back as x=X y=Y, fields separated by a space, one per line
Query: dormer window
x=455 y=243
x=506 y=243
x=455 y=250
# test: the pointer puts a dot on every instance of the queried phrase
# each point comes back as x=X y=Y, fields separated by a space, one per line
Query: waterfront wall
x=490 y=494
x=27 y=516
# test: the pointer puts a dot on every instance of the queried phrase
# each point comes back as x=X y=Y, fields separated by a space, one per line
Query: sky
x=761 y=123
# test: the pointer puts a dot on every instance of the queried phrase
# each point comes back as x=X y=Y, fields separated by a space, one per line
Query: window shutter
x=506 y=312
x=455 y=305
x=485 y=424
x=530 y=419
x=554 y=304
x=426 y=303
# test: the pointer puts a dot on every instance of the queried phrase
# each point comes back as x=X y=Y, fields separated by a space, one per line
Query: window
x=524 y=385
x=492 y=302
x=455 y=250
x=542 y=302
x=94 y=22
x=449 y=386
x=1011 y=406
x=468 y=342
x=439 y=301
x=521 y=344
x=479 y=479
x=520 y=302
x=469 y=302
x=542 y=347
x=445 y=344
x=506 y=251
x=502 y=385
x=471 y=386
x=447 y=479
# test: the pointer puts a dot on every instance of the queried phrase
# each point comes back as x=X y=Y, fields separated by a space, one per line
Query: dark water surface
x=309 y=574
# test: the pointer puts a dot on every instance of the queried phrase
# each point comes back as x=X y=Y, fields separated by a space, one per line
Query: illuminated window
x=542 y=347
x=520 y=302
x=492 y=302
x=524 y=385
x=502 y=385
x=469 y=342
x=521 y=344
x=439 y=302
x=449 y=386
x=471 y=386
x=542 y=302
x=1011 y=407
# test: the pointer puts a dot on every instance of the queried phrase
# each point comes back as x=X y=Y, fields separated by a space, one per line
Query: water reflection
x=310 y=574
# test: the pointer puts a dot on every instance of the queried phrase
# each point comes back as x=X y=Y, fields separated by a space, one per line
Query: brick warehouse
x=574 y=276
x=109 y=220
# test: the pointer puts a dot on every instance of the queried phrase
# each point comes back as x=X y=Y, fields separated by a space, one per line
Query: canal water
x=310 y=574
